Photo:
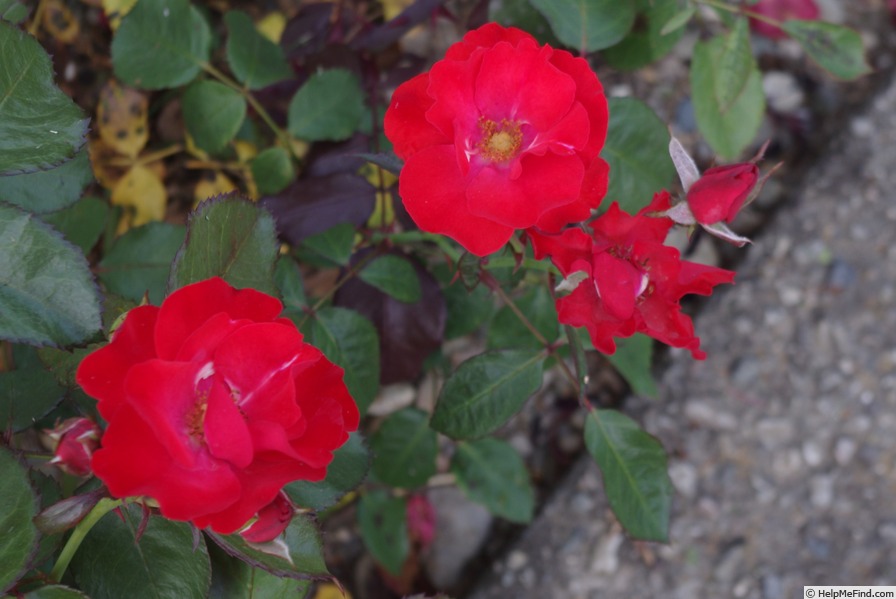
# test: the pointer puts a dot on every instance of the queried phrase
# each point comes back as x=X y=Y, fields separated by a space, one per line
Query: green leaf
x=646 y=42
x=679 y=20
x=232 y=577
x=393 y=275
x=82 y=223
x=523 y=16
x=18 y=505
x=728 y=130
x=299 y=554
x=507 y=331
x=328 y=106
x=56 y=591
x=637 y=150
x=347 y=470
x=349 y=340
x=47 y=294
x=46 y=191
x=835 y=48
x=633 y=360
x=588 y=25
x=161 y=43
x=734 y=65
x=159 y=563
x=288 y=279
x=272 y=170
x=335 y=244
x=492 y=473
x=63 y=364
x=633 y=464
x=213 y=113
x=13 y=11
x=254 y=59
x=384 y=528
x=40 y=127
x=231 y=238
x=405 y=449
x=26 y=396
x=139 y=261
x=467 y=309
x=485 y=391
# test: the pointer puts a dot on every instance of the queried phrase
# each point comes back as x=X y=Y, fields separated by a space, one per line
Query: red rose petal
x=442 y=208
x=189 y=307
x=405 y=122
x=505 y=82
x=225 y=429
x=545 y=182
x=102 y=373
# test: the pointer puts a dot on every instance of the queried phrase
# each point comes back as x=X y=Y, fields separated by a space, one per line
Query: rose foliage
x=213 y=404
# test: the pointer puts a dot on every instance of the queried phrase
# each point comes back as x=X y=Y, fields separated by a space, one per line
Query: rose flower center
x=500 y=141
x=196 y=418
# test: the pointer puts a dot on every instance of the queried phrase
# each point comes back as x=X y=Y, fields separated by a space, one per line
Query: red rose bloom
x=213 y=404
x=500 y=135
x=781 y=10
x=633 y=282
x=720 y=193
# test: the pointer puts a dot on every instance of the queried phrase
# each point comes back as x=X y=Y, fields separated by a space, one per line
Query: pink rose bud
x=76 y=439
x=721 y=192
x=272 y=520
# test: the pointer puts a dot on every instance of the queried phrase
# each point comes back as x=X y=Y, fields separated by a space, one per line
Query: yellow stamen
x=500 y=141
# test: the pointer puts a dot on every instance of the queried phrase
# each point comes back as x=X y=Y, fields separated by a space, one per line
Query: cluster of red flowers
x=504 y=134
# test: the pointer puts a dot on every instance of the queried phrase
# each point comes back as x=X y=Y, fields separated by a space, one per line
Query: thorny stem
x=740 y=10
x=102 y=508
x=548 y=346
x=349 y=274
x=253 y=102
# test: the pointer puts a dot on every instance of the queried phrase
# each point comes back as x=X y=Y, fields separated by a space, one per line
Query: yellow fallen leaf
x=108 y=165
x=215 y=183
x=271 y=26
x=122 y=118
x=59 y=21
x=392 y=8
x=143 y=195
x=328 y=590
x=245 y=150
x=116 y=9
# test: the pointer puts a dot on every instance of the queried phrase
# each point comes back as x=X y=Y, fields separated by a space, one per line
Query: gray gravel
x=783 y=442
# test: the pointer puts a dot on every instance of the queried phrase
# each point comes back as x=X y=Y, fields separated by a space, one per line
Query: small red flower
x=214 y=403
x=272 y=520
x=721 y=191
x=75 y=441
x=502 y=134
x=630 y=281
x=781 y=10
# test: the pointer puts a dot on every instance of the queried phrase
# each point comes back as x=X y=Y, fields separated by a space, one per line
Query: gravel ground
x=782 y=443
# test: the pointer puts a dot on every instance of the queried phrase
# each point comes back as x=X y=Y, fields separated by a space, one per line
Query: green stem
x=102 y=508
x=529 y=263
x=349 y=274
x=740 y=10
x=420 y=237
x=253 y=102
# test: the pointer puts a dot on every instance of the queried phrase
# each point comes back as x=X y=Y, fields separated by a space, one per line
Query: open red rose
x=720 y=193
x=630 y=281
x=213 y=404
x=502 y=134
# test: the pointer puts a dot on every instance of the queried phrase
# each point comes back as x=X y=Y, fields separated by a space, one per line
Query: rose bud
x=75 y=441
x=272 y=520
x=721 y=192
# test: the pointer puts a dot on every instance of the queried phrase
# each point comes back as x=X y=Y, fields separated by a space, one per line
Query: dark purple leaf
x=328 y=157
x=408 y=332
x=311 y=206
x=388 y=161
x=308 y=31
x=389 y=33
